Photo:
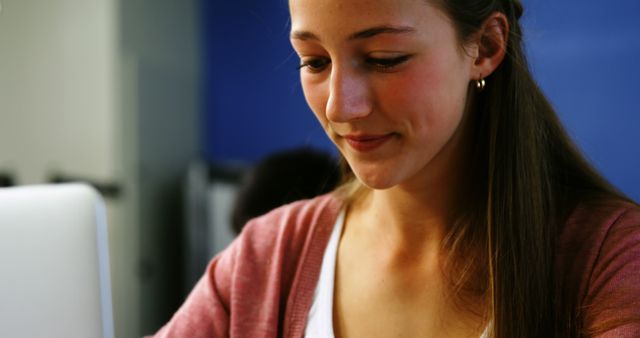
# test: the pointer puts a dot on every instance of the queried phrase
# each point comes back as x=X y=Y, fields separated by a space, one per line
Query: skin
x=394 y=70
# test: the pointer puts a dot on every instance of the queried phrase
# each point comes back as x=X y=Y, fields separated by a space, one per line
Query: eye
x=386 y=63
x=315 y=65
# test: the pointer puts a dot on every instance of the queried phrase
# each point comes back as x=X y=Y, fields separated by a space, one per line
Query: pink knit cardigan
x=262 y=285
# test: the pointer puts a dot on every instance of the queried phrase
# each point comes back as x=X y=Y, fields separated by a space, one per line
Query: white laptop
x=54 y=266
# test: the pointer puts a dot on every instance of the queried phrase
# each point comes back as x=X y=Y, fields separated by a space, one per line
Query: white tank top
x=320 y=319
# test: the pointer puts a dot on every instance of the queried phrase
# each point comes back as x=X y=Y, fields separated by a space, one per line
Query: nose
x=348 y=95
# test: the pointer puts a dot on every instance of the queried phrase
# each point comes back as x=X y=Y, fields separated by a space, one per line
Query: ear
x=491 y=45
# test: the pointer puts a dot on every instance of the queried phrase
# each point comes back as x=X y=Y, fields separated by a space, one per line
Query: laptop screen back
x=54 y=267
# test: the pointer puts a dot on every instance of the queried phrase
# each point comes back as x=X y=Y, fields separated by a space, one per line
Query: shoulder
x=246 y=285
x=595 y=224
x=271 y=247
x=287 y=227
x=598 y=257
x=605 y=213
x=291 y=223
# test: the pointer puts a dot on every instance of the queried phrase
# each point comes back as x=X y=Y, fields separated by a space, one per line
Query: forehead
x=345 y=16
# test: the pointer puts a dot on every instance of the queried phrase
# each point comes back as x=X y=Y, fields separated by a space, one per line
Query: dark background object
x=281 y=178
x=106 y=189
x=6 y=180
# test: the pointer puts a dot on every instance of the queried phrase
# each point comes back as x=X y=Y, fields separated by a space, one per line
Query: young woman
x=466 y=211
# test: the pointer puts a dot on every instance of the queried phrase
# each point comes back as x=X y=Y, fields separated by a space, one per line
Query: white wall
x=57 y=88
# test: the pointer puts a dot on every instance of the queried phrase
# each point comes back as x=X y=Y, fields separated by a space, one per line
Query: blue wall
x=584 y=53
x=253 y=100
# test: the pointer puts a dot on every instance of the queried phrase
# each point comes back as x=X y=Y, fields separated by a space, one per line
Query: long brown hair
x=525 y=176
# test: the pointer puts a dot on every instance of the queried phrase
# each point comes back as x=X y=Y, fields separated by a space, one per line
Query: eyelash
x=317 y=65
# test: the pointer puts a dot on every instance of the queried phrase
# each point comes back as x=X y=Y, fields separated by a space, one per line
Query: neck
x=413 y=221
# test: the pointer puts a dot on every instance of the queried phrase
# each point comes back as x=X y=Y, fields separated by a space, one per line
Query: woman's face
x=388 y=81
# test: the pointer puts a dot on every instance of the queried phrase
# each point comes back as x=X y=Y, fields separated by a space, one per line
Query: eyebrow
x=364 y=34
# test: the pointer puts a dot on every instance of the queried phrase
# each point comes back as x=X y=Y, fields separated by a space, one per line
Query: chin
x=377 y=182
x=375 y=174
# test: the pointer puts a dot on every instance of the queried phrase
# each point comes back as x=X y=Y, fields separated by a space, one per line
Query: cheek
x=432 y=95
x=316 y=98
x=414 y=94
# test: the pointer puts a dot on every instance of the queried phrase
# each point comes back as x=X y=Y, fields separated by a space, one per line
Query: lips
x=367 y=143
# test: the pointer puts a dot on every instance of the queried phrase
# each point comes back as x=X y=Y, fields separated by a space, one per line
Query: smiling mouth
x=367 y=143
